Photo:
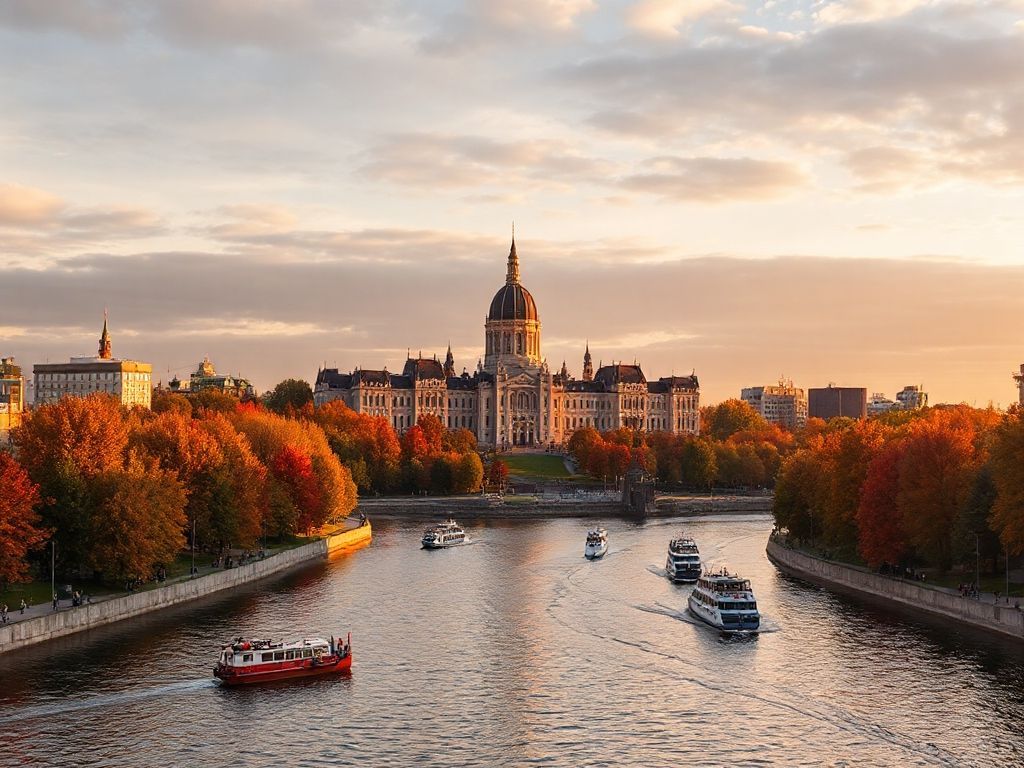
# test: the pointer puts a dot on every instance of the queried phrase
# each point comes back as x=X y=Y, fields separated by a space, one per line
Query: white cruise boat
x=683 y=562
x=597 y=543
x=446 y=534
x=725 y=601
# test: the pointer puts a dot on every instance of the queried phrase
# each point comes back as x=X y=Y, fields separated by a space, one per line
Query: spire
x=449 y=362
x=104 y=351
x=513 y=260
x=564 y=372
x=588 y=364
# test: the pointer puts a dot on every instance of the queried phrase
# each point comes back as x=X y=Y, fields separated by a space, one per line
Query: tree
x=1005 y=463
x=936 y=467
x=433 y=432
x=293 y=469
x=497 y=474
x=880 y=534
x=441 y=474
x=139 y=514
x=729 y=417
x=797 y=504
x=290 y=393
x=699 y=463
x=467 y=473
x=63 y=446
x=170 y=401
x=19 y=524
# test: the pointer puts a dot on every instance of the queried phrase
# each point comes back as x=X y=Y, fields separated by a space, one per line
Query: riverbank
x=851 y=579
x=542 y=506
x=50 y=625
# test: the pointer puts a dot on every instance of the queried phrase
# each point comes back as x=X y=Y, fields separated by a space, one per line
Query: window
x=290 y=655
x=268 y=657
x=247 y=657
x=278 y=655
x=307 y=653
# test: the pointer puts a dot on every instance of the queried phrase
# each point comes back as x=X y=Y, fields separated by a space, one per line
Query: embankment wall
x=1005 y=619
x=19 y=634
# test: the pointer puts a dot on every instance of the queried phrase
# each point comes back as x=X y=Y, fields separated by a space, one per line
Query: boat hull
x=431 y=545
x=593 y=553
x=709 y=618
x=231 y=678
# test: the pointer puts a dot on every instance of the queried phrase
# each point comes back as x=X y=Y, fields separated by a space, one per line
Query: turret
x=104 y=350
x=588 y=365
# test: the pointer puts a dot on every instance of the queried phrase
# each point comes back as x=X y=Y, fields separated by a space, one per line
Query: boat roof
x=264 y=644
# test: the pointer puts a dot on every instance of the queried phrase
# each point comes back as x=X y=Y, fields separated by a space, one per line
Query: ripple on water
x=516 y=651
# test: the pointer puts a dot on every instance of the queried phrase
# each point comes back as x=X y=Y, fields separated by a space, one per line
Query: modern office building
x=832 y=401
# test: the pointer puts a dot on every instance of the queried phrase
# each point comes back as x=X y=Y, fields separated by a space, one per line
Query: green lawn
x=540 y=465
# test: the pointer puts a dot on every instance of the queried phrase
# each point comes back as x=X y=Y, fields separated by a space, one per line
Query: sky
x=821 y=190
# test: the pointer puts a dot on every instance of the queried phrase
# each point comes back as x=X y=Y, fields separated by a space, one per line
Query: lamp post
x=192 y=573
x=1007 y=574
x=53 y=570
x=977 y=561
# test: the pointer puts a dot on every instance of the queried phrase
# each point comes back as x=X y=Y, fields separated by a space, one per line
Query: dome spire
x=104 y=350
x=513 y=260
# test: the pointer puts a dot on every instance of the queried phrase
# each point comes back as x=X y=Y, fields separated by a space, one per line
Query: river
x=514 y=650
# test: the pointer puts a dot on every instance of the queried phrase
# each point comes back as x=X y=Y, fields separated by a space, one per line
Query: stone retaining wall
x=1005 y=619
x=21 y=633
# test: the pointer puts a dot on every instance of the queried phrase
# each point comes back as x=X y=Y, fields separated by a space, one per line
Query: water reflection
x=516 y=650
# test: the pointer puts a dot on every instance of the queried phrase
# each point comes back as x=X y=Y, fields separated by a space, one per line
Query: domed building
x=513 y=398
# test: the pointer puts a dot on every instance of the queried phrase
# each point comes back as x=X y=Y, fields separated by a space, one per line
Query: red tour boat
x=257 y=661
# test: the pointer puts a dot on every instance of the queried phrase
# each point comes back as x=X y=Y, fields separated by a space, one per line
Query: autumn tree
x=293 y=470
x=467 y=473
x=62 y=446
x=1006 y=465
x=289 y=396
x=797 y=504
x=881 y=537
x=20 y=532
x=137 y=521
x=723 y=420
x=366 y=444
x=936 y=467
x=699 y=463
x=497 y=474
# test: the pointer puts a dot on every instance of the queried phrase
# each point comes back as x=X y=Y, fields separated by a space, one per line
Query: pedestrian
x=55 y=601
x=24 y=605
x=3 y=613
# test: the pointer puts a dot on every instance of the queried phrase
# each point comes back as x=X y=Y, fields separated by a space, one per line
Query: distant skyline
x=826 y=191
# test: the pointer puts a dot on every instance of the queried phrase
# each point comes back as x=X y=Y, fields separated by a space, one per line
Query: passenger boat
x=258 y=661
x=683 y=562
x=725 y=601
x=446 y=534
x=597 y=543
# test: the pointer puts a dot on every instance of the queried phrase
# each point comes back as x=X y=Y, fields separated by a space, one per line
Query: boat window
x=268 y=657
x=278 y=655
x=247 y=657
x=290 y=655
x=308 y=653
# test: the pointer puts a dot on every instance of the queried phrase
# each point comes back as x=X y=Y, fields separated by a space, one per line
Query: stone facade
x=513 y=398
x=12 y=397
x=128 y=380
x=206 y=377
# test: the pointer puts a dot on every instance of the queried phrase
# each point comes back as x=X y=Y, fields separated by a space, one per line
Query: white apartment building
x=128 y=380
x=781 y=404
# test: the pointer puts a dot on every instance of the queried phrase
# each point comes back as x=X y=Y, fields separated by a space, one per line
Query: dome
x=513 y=302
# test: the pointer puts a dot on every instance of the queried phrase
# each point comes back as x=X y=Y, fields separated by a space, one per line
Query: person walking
x=24 y=605
x=55 y=601
x=3 y=613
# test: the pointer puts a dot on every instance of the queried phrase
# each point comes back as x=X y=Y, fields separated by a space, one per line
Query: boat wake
x=106 y=700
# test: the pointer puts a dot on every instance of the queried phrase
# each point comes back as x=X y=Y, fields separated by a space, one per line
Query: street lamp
x=192 y=573
x=977 y=561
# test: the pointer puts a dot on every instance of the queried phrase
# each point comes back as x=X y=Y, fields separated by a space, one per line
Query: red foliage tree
x=19 y=533
x=294 y=470
x=880 y=535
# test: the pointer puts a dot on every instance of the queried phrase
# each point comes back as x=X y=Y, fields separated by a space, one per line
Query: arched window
x=508 y=343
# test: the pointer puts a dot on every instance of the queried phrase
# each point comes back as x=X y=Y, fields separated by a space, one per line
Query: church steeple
x=588 y=365
x=449 y=362
x=104 y=351
x=512 y=277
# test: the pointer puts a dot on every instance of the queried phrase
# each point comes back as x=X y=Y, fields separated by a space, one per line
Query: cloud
x=479 y=25
x=716 y=180
x=433 y=161
x=665 y=18
x=36 y=223
x=860 y=11
x=26 y=206
x=97 y=19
